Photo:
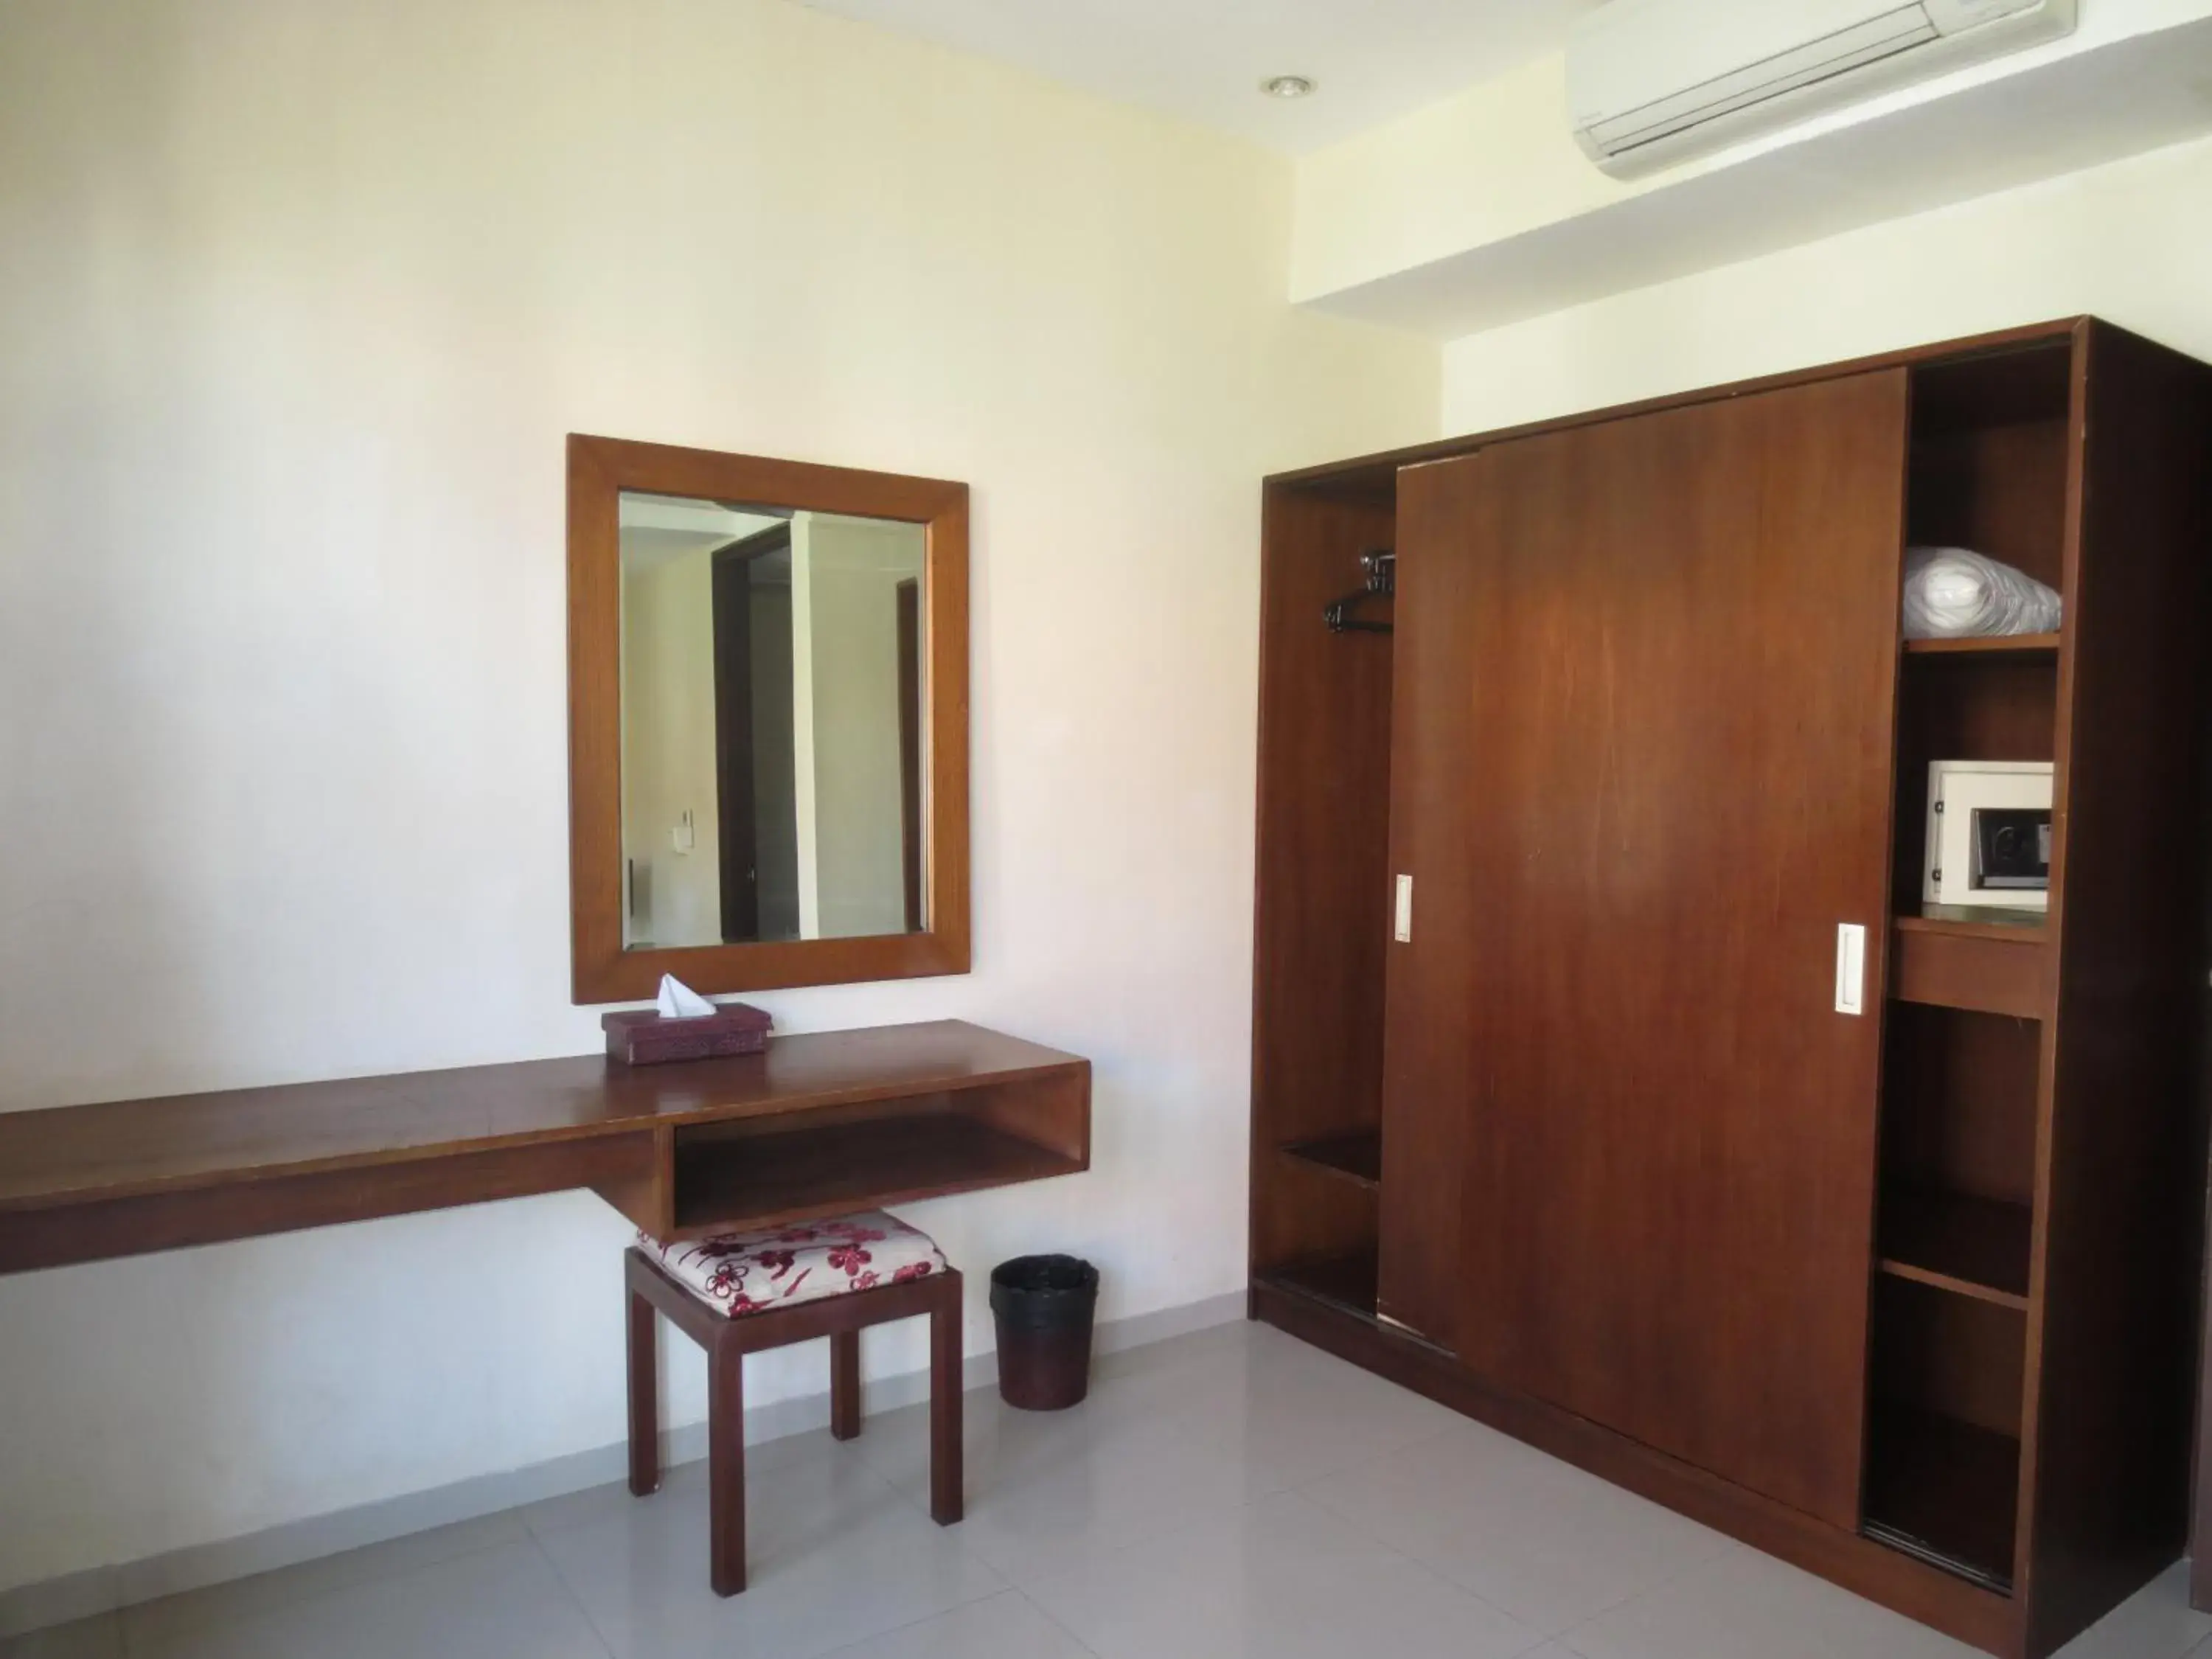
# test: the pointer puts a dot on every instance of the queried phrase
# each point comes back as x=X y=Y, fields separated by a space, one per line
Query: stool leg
x=725 y=1465
x=845 y=1384
x=947 y=1483
x=644 y=1398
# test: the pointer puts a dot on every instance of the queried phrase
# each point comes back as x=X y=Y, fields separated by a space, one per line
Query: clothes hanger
x=1382 y=568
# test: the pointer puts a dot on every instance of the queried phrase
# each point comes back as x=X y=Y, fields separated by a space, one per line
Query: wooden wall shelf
x=2029 y=930
x=1976 y=1247
x=798 y=1174
x=1983 y=967
x=2005 y=645
x=831 y=1119
x=1355 y=1155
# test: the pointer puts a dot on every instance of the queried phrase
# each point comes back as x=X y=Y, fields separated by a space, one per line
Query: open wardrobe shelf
x=1994 y=645
x=1357 y=1155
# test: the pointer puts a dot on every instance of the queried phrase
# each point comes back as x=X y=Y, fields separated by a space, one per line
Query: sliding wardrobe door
x=1646 y=675
x=1428 y=1053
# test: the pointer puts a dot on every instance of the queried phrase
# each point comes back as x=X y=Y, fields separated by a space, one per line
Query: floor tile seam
x=1728 y=1546
x=1304 y=1486
x=1431 y=1571
x=917 y=1501
x=1056 y=1622
x=123 y=1616
x=1724 y=1547
x=1205 y=1514
x=574 y=1597
x=918 y=1498
x=963 y=1606
x=537 y=1536
x=1355 y=1461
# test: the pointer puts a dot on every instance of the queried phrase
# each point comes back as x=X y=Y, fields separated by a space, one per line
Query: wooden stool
x=738 y=1294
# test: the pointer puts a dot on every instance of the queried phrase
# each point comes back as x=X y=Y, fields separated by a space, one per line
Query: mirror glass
x=772 y=723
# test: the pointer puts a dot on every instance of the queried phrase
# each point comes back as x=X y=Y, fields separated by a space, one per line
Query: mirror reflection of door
x=772 y=720
x=754 y=760
x=910 y=695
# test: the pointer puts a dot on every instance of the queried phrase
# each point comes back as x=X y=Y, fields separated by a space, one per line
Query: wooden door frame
x=737 y=801
x=911 y=747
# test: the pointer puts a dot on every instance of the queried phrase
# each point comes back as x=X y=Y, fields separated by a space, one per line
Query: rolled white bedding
x=1951 y=593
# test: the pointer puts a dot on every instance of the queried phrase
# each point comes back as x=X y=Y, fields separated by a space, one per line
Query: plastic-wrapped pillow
x=1952 y=593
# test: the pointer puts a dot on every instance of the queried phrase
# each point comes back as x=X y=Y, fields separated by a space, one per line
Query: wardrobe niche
x=1589 y=1152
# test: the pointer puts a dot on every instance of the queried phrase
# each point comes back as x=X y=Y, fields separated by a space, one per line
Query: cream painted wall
x=669 y=744
x=1493 y=161
x=299 y=300
x=850 y=570
x=2131 y=242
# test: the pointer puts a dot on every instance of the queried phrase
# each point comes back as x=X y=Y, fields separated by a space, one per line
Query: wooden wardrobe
x=1572 y=1133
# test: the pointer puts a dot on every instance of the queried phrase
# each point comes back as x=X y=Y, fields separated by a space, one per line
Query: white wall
x=299 y=299
x=668 y=747
x=849 y=571
x=2131 y=242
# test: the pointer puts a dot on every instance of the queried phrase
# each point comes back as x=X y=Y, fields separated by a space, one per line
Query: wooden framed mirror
x=768 y=722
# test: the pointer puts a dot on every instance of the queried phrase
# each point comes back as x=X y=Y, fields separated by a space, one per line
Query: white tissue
x=679 y=1001
x=1952 y=593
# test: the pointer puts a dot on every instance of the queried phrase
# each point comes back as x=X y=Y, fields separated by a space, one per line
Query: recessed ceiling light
x=1287 y=86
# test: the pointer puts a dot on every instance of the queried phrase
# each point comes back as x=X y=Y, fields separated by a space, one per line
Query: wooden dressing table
x=820 y=1123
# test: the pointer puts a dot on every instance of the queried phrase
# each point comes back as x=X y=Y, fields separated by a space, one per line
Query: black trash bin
x=1042 y=1305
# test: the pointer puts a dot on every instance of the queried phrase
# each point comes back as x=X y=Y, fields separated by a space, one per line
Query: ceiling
x=1204 y=59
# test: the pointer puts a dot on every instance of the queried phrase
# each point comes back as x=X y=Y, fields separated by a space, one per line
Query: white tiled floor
x=1229 y=1493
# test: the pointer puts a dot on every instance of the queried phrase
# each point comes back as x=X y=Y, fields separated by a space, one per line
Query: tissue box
x=640 y=1037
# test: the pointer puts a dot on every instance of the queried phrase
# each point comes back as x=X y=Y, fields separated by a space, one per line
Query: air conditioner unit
x=1650 y=82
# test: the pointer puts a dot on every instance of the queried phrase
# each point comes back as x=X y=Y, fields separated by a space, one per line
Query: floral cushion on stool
x=800 y=1261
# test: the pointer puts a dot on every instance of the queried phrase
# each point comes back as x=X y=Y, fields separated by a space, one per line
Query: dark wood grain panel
x=101 y=1229
x=2119 y=1180
x=1320 y=917
x=1357 y=1156
x=1429 y=1054
x=1996 y=486
x=1958 y=1102
x=1668 y=1203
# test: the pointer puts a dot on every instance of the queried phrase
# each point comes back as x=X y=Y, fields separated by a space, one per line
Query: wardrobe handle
x=1850 y=968
x=1402 y=926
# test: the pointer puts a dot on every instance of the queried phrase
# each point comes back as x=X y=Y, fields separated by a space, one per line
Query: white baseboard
x=102 y=1589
